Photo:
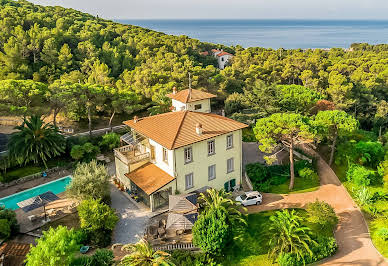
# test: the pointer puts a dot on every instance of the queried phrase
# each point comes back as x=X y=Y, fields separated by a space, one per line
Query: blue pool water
x=56 y=187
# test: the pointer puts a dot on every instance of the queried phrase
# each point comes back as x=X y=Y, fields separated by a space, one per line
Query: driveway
x=132 y=221
x=354 y=244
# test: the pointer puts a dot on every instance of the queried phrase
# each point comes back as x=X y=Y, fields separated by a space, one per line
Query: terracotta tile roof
x=15 y=253
x=177 y=129
x=204 y=53
x=149 y=178
x=185 y=97
x=224 y=53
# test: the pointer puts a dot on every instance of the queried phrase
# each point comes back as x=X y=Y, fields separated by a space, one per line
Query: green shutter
x=226 y=186
x=232 y=183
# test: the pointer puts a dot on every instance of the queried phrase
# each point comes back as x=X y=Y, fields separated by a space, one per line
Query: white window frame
x=230 y=167
x=165 y=155
x=229 y=141
x=211 y=177
x=188 y=156
x=189 y=181
x=211 y=147
x=197 y=105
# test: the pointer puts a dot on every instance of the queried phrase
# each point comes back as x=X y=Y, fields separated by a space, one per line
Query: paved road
x=132 y=221
x=354 y=244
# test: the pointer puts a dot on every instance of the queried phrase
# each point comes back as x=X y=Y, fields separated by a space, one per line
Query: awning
x=178 y=221
x=149 y=178
x=183 y=203
x=37 y=201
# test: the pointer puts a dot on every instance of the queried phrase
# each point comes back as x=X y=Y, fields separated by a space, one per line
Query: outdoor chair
x=32 y=218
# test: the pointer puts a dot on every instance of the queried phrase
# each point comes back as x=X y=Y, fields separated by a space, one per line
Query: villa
x=222 y=57
x=187 y=150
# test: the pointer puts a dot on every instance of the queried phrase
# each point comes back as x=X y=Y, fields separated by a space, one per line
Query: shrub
x=307 y=173
x=102 y=257
x=98 y=221
x=360 y=175
x=5 y=229
x=321 y=213
x=382 y=233
x=85 y=153
x=185 y=257
x=362 y=195
x=327 y=246
x=369 y=153
x=10 y=216
x=77 y=152
x=288 y=259
x=56 y=247
x=110 y=141
x=211 y=231
x=90 y=180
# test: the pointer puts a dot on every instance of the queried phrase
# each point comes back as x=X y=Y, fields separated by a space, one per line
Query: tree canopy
x=287 y=129
x=45 y=44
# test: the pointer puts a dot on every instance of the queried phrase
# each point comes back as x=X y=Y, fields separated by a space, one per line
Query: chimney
x=223 y=112
x=198 y=128
x=174 y=90
x=135 y=119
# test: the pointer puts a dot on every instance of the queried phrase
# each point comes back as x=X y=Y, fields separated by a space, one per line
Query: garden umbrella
x=37 y=202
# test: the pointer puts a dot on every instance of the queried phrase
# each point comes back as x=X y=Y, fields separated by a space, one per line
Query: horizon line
x=296 y=19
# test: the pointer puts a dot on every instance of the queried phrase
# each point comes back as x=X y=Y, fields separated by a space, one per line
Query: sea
x=287 y=34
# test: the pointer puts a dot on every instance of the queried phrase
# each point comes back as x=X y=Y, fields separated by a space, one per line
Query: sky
x=228 y=9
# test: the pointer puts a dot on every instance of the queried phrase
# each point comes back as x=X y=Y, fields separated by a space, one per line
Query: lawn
x=301 y=185
x=253 y=247
x=70 y=221
x=22 y=171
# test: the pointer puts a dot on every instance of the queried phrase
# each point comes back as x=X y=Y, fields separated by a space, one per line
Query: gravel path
x=132 y=221
x=354 y=244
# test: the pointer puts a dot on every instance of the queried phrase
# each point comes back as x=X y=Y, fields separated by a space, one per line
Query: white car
x=250 y=198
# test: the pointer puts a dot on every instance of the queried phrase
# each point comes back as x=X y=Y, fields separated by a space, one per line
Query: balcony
x=130 y=154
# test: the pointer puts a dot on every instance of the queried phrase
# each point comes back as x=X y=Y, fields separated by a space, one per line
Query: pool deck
x=59 y=208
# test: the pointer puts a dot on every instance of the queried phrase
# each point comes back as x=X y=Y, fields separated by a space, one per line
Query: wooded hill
x=57 y=46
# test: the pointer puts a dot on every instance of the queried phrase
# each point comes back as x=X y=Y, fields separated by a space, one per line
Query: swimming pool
x=56 y=187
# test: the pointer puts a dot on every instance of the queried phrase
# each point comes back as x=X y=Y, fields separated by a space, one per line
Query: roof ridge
x=179 y=128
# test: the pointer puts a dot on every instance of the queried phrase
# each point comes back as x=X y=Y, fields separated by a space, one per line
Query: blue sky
x=236 y=9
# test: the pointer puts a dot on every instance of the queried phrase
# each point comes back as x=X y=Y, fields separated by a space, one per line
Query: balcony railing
x=131 y=154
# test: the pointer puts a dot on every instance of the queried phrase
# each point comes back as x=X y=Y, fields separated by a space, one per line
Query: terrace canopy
x=179 y=221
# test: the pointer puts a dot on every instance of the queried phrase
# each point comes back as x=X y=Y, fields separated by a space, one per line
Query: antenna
x=189 y=85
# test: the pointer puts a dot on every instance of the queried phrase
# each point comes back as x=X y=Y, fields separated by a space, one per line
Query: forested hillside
x=83 y=65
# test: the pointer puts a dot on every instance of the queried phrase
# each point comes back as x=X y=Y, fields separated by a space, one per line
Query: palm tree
x=288 y=235
x=142 y=254
x=35 y=142
x=219 y=199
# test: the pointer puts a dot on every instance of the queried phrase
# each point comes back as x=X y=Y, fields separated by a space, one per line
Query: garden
x=276 y=178
x=287 y=237
x=361 y=162
x=255 y=246
x=46 y=149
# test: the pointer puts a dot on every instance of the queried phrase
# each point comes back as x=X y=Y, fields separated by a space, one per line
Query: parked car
x=250 y=198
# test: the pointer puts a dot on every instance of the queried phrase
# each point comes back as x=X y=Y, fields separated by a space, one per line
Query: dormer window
x=198 y=107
